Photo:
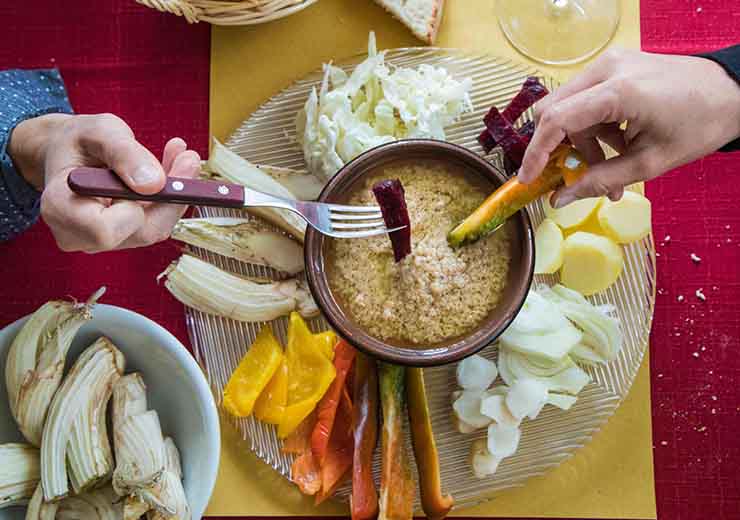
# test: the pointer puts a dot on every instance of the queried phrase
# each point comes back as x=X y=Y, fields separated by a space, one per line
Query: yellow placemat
x=612 y=477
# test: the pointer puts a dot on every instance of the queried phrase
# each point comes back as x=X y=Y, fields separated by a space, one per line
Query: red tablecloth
x=152 y=70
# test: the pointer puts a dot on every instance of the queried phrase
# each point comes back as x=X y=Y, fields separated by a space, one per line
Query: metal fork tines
x=335 y=220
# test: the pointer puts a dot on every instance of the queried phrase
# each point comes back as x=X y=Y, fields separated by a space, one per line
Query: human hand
x=676 y=109
x=47 y=148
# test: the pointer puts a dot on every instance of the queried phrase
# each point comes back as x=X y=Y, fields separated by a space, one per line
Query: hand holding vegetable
x=46 y=148
x=672 y=118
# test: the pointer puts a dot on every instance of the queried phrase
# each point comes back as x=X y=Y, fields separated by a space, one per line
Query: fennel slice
x=242 y=239
x=101 y=360
x=206 y=288
x=236 y=169
x=98 y=504
x=35 y=362
x=40 y=510
x=19 y=473
x=302 y=184
x=140 y=453
x=89 y=455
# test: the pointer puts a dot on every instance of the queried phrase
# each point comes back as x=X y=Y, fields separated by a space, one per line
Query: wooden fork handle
x=101 y=182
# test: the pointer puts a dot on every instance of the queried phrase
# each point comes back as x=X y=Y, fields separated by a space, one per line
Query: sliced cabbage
x=541 y=329
x=526 y=397
x=602 y=336
x=476 y=372
x=558 y=376
x=562 y=401
x=376 y=104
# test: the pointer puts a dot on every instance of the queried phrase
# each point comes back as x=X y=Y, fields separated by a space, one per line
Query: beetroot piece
x=506 y=136
x=486 y=141
x=531 y=92
x=390 y=196
x=526 y=131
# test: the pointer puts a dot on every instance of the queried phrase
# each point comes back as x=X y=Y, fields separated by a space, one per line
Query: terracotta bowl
x=520 y=272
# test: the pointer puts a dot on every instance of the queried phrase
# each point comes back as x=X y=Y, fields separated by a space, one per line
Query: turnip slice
x=476 y=372
x=503 y=440
x=467 y=409
x=484 y=464
x=526 y=398
x=494 y=406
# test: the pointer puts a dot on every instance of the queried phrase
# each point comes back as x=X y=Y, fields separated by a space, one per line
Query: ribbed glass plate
x=267 y=137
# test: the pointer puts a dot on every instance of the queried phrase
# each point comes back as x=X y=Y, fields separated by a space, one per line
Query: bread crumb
x=714 y=411
x=667 y=238
x=700 y=294
x=695 y=354
x=680 y=297
x=695 y=258
x=702 y=429
x=664 y=443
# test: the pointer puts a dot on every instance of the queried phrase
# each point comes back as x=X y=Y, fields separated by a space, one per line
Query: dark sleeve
x=24 y=94
x=729 y=59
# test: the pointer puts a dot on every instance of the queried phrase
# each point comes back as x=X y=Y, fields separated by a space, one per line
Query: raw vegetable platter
x=268 y=137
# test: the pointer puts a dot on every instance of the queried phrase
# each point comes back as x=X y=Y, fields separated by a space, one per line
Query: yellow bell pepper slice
x=270 y=405
x=254 y=372
x=309 y=374
x=326 y=341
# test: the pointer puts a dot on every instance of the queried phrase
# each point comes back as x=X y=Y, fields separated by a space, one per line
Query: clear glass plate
x=268 y=137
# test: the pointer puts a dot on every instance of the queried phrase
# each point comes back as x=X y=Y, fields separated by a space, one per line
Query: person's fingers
x=589 y=147
x=83 y=224
x=612 y=135
x=172 y=149
x=110 y=140
x=599 y=104
x=606 y=178
x=186 y=164
x=592 y=75
x=160 y=217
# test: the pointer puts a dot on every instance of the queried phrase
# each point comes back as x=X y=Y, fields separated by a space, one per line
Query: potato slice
x=548 y=247
x=573 y=214
x=626 y=220
x=591 y=225
x=638 y=187
x=591 y=263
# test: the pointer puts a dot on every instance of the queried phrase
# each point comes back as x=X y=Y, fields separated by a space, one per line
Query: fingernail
x=145 y=175
x=564 y=200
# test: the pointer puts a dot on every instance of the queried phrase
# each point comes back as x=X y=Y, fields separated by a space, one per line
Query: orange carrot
x=337 y=460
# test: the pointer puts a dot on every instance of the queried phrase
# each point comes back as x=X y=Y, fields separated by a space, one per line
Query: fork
x=335 y=220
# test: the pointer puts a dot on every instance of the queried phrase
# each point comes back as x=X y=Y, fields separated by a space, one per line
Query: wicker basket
x=225 y=12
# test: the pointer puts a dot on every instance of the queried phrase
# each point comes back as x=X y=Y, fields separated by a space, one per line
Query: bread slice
x=423 y=17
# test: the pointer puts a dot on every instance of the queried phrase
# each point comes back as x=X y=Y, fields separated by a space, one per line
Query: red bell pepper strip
x=364 y=500
x=344 y=356
x=337 y=461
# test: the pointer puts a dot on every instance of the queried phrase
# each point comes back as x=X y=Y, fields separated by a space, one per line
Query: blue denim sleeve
x=23 y=94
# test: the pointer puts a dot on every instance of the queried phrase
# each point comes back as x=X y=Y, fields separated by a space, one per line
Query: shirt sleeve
x=728 y=59
x=24 y=94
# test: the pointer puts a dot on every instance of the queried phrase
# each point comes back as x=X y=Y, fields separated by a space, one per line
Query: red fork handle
x=101 y=182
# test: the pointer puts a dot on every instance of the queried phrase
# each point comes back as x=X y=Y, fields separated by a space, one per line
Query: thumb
x=607 y=178
x=112 y=142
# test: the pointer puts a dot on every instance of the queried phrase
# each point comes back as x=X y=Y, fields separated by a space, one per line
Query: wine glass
x=558 y=32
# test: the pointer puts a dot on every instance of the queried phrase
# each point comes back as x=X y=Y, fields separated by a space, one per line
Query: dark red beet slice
x=506 y=136
x=486 y=141
x=390 y=196
x=527 y=131
x=531 y=92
